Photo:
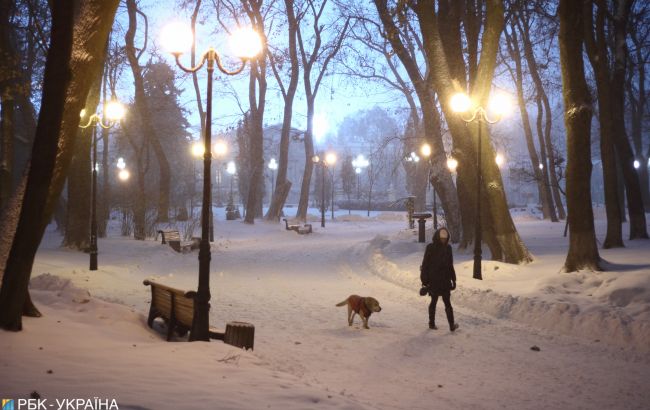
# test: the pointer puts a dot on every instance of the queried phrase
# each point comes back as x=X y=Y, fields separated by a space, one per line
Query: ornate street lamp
x=468 y=112
x=113 y=112
x=178 y=39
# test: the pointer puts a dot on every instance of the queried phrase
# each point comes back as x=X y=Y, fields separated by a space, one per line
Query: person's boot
x=432 y=326
x=450 y=318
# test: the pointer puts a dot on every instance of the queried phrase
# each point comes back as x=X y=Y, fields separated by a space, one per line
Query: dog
x=362 y=306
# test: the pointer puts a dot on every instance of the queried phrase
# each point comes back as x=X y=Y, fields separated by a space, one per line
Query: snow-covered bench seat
x=173 y=238
x=176 y=307
x=305 y=229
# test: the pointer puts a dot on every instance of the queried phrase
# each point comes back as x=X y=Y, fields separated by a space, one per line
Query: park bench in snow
x=176 y=308
x=173 y=238
x=305 y=229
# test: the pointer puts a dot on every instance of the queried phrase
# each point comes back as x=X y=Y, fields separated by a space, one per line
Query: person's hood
x=436 y=236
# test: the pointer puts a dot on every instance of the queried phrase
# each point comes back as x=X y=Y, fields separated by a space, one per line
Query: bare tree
x=278 y=60
x=316 y=55
x=143 y=109
x=583 y=252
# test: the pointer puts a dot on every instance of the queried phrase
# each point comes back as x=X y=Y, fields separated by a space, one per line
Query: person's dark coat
x=437 y=269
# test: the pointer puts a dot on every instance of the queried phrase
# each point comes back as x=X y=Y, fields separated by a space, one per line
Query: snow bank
x=87 y=348
x=612 y=306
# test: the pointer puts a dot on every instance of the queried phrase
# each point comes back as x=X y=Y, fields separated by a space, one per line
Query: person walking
x=438 y=276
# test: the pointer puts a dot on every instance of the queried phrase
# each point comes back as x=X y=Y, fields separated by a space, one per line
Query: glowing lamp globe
x=177 y=38
x=636 y=164
x=198 y=149
x=452 y=164
x=330 y=158
x=499 y=160
x=425 y=150
x=231 y=168
x=460 y=103
x=124 y=175
x=220 y=148
x=114 y=111
x=245 y=43
x=500 y=104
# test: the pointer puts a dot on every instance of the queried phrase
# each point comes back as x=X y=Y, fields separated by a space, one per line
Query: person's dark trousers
x=448 y=309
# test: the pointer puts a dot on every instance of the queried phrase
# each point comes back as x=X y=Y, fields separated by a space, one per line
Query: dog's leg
x=365 y=320
x=350 y=315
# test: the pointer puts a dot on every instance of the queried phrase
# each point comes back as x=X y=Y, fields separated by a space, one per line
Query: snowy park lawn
x=592 y=328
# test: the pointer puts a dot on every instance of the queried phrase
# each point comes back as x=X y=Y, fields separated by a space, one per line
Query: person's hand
x=453 y=285
x=424 y=290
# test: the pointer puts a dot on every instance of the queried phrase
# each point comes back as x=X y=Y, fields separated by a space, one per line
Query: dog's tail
x=345 y=302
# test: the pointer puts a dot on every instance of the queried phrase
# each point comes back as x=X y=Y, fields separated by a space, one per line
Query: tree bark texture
x=596 y=47
x=583 y=251
x=77 y=228
x=257 y=102
x=62 y=99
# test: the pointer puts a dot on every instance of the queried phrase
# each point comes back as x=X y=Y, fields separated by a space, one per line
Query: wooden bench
x=176 y=308
x=173 y=239
x=302 y=230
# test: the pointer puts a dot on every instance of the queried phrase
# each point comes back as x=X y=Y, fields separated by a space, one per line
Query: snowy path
x=399 y=363
x=288 y=284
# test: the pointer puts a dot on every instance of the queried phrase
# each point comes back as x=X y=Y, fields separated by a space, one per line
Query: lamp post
x=114 y=112
x=329 y=160
x=359 y=163
x=178 y=39
x=273 y=165
x=425 y=151
x=461 y=104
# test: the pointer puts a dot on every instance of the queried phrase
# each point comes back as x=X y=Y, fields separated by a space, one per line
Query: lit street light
x=359 y=163
x=499 y=104
x=330 y=160
x=273 y=165
x=113 y=112
x=499 y=159
x=425 y=150
x=179 y=39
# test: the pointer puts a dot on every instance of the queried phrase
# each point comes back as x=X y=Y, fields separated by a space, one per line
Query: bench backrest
x=167 y=300
x=172 y=236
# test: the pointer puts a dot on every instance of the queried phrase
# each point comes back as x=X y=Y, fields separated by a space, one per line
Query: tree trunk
x=303 y=204
x=282 y=185
x=77 y=227
x=583 y=252
x=546 y=183
x=6 y=149
x=512 y=41
x=145 y=115
x=62 y=100
x=597 y=53
x=548 y=118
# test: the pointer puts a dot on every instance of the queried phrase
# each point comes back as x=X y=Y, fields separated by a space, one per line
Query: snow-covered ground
x=592 y=329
